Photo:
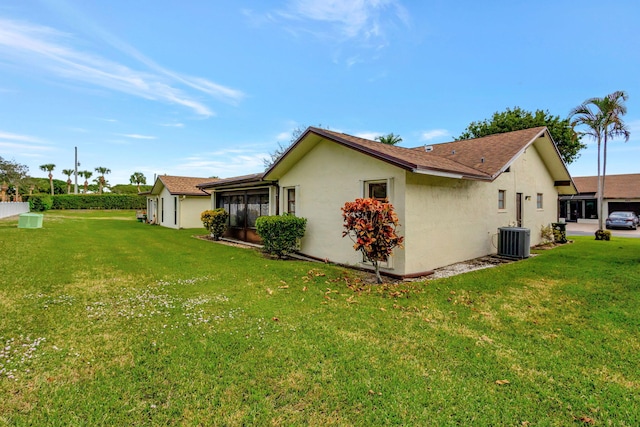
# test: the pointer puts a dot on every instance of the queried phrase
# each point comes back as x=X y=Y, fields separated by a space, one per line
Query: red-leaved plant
x=371 y=224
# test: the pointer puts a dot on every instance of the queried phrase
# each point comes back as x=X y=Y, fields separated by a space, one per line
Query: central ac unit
x=513 y=242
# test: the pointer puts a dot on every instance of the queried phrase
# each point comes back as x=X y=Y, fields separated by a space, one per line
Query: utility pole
x=75 y=186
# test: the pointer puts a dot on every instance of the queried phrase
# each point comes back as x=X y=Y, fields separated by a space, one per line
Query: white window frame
x=364 y=187
x=539 y=201
x=284 y=200
x=504 y=200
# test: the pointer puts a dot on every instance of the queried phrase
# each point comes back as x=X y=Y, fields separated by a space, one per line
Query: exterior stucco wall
x=327 y=177
x=450 y=220
x=165 y=214
x=174 y=211
x=189 y=210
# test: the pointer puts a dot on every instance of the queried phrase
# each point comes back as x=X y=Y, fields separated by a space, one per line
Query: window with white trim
x=539 y=204
x=502 y=197
x=290 y=194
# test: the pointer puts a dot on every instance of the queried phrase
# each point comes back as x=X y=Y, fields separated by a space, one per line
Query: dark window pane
x=378 y=190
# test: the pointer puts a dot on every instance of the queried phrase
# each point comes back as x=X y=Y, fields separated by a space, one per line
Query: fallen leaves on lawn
x=502 y=382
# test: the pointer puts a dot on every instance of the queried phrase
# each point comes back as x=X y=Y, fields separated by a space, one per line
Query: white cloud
x=17 y=137
x=137 y=136
x=219 y=164
x=354 y=18
x=23 y=145
x=172 y=125
x=50 y=51
x=369 y=135
x=433 y=134
x=367 y=21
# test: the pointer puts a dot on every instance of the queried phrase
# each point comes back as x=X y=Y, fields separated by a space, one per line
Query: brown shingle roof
x=184 y=185
x=625 y=186
x=489 y=154
x=479 y=158
x=242 y=179
x=403 y=157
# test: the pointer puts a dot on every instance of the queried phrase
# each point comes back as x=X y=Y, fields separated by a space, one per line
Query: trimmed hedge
x=99 y=201
x=39 y=202
x=280 y=233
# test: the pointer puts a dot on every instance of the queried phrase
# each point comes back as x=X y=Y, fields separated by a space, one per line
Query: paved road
x=575 y=229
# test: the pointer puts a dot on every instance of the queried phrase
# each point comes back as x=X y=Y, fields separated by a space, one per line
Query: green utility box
x=30 y=220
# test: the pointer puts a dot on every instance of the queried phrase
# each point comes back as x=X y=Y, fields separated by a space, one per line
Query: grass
x=107 y=321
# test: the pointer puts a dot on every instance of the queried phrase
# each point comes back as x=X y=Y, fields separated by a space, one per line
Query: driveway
x=575 y=229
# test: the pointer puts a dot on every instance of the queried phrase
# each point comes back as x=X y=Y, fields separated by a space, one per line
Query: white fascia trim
x=436 y=173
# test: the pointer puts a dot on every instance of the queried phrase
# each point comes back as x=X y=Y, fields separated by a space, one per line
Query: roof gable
x=480 y=158
x=490 y=154
x=180 y=185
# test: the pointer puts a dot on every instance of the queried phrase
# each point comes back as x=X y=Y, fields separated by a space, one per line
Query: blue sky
x=209 y=88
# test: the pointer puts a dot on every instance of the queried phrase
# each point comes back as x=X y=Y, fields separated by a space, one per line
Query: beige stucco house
x=450 y=198
x=177 y=202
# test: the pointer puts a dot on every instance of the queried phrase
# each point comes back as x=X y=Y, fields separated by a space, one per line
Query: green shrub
x=547 y=234
x=99 y=201
x=280 y=234
x=215 y=221
x=603 y=235
x=40 y=202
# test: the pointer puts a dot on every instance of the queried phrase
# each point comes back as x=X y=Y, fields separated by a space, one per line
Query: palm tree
x=138 y=178
x=101 y=181
x=49 y=167
x=68 y=172
x=86 y=175
x=389 y=139
x=602 y=119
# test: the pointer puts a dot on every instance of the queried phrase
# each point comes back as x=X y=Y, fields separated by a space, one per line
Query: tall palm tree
x=86 y=175
x=614 y=126
x=68 y=172
x=390 y=139
x=101 y=181
x=138 y=178
x=49 y=167
x=601 y=118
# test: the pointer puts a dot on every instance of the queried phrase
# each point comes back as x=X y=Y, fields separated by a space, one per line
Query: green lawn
x=107 y=321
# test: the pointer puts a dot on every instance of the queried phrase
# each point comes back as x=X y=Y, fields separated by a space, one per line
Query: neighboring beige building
x=176 y=202
x=621 y=193
x=450 y=198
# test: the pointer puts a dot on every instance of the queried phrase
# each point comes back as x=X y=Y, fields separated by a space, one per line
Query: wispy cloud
x=51 y=51
x=21 y=138
x=369 y=135
x=137 y=136
x=172 y=125
x=366 y=20
x=222 y=165
x=433 y=134
x=23 y=145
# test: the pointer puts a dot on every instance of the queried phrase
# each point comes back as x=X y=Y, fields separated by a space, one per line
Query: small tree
x=138 y=178
x=101 y=181
x=86 y=175
x=49 y=167
x=390 y=139
x=215 y=221
x=280 y=234
x=68 y=173
x=371 y=224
